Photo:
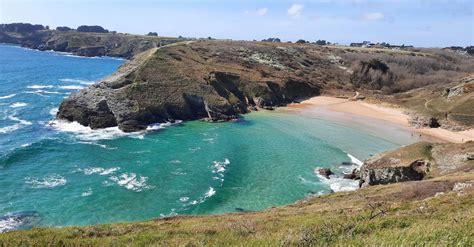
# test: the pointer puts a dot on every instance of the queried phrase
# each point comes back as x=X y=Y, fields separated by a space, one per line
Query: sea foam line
x=8 y=96
x=47 y=182
x=88 y=134
x=338 y=184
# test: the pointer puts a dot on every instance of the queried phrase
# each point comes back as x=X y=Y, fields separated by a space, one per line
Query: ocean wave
x=40 y=86
x=83 y=82
x=131 y=181
x=16 y=126
x=88 y=192
x=219 y=166
x=41 y=92
x=354 y=160
x=21 y=121
x=47 y=182
x=99 y=170
x=210 y=192
x=18 y=220
x=338 y=184
x=71 y=87
x=7 y=96
x=87 y=134
x=18 y=104
x=10 y=128
x=54 y=111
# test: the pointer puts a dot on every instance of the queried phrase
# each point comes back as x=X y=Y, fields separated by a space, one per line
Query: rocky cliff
x=88 y=43
x=215 y=80
x=416 y=162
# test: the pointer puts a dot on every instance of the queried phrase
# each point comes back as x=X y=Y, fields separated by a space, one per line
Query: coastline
x=327 y=105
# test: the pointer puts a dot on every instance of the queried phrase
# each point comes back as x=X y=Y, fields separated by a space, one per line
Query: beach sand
x=323 y=105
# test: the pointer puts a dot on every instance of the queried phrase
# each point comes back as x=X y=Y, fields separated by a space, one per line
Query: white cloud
x=295 y=10
x=262 y=11
x=373 y=16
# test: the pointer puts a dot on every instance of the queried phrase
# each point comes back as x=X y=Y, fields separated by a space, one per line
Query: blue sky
x=429 y=23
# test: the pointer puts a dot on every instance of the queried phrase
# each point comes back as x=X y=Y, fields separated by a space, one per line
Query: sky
x=423 y=23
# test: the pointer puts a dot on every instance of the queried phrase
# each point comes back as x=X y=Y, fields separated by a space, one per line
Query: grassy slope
x=398 y=214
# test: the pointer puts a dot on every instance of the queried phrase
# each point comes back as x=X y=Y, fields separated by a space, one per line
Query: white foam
x=9 y=224
x=47 y=182
x=338 y=184
x=13 y=221
x=88 y=192
x=87 y=134
x=72 y=87
x=16 y=126
x=210 y=192
x=99 y=170
x=40 y=86
x=10 y=128
x=219 y=166
x=42 y=92
x=184 y=199
x=8 y=96
x=83 y=82
x=54 y=111
x=355 y=160
x=18 y=104
x=131 y=181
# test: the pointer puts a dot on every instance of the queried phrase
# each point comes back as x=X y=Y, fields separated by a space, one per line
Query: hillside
x=435 y=211
x=218 y=80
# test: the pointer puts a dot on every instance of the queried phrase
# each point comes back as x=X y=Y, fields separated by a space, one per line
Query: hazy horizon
x=420 y=23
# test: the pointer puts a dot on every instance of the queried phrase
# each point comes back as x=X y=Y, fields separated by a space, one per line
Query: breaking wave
x=18 y=220
x=20 y=123
x=131 y=181
x=338 y=184
x=47 y=182
x=71 y=87
x=40 y=86
x=8 y=96
x=86 y=133
x=83 y=82
x=18 y=104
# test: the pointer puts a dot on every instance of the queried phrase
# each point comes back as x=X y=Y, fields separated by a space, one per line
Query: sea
x=54 y=173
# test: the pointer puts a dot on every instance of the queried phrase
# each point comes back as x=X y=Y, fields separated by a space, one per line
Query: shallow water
x=70 y=175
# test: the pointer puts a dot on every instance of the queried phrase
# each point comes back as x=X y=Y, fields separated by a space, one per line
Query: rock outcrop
x=211 y=80
x=416 y=162
x=89 y=41
x=405 y=164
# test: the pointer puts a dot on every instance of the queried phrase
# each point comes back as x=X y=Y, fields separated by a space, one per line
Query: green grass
x=397 y=214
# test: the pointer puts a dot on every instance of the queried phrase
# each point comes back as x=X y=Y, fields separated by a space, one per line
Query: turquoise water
x=70 y=175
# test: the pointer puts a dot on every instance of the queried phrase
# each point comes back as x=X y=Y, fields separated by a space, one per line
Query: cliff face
x=416 y=162
x=88 y=44
x=204 y=79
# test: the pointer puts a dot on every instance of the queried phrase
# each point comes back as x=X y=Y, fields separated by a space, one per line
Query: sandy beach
x=378 y=112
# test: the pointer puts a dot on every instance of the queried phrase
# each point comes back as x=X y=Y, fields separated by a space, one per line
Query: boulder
x=354 y=175
x=325 y=172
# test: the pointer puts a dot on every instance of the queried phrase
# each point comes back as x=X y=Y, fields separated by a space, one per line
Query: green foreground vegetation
x=428 y=212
